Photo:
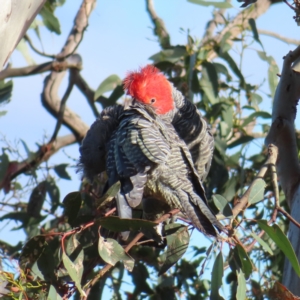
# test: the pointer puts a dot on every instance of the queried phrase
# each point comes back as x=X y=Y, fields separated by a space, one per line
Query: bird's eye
x=152 y=100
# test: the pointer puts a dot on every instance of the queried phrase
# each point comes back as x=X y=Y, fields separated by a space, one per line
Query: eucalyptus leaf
x=49 y=19
x=5 y=91
x=75 y=271
x=216 y=277
x=117 y=224
x=280 y=239
x=108 y=84
x=213 y=3
x=257 y=191
x=241 y=288
x=265 y=246
x=112 y=252
x=178 y=239
x=61 y=171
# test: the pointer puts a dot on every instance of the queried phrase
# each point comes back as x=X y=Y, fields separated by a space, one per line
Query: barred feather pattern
x=194 y=130
x=161 y=166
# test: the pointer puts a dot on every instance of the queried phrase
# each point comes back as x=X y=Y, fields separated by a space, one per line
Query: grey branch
x=159 y=26
x=57 y=66
x=279 y=37
x=240 y=22
x=282 y=131
x=243 y=202
x=43 y=154
x=50 y=98
x=86 y=91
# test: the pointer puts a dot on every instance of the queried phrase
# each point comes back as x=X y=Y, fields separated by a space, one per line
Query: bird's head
x=150 y=87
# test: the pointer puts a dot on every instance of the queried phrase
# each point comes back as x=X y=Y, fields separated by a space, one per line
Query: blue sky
x=120 y=38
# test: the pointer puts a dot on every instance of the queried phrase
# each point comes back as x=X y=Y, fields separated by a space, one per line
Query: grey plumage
x=194 y=130
x=149 y=159
x=190 y=126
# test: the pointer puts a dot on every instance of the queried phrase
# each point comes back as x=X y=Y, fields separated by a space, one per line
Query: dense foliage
x=72 y=244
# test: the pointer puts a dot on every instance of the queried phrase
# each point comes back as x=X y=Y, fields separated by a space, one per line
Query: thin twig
x=28 y=40
x=107 y=267
x=281 y=210
x=242 y=203
x=86 y=91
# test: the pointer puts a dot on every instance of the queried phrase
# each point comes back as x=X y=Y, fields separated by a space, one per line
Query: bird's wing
x=139 y=147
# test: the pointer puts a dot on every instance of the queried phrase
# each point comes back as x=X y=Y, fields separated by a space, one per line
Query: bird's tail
x=200 y=214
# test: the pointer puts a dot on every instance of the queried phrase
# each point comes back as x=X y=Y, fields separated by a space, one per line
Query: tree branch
x=57 y=66
x=279 y=37
x=282 y=131
x=45 y=151
x=104 y=270
x=50 y=98
x=86 y=91
x=78 y=29
x=240 y=22
x=159 y=26
x=243 y=202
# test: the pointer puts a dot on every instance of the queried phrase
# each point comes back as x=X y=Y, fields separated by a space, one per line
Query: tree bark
x=15 y=18
x=282 y=134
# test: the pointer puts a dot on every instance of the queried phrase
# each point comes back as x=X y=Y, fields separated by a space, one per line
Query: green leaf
x=60 y=170
x=75 y=271
x=222 y=205
x=50 y=21
x=32 y=251
x=44 y=267
x=242 y=140
x=256 y=99
x=5 y=91
x=262 y=242
x=280 y=239
x=20 y=216
x=53 y=295
x=252 y=24
x=250 y=118
x=257 y=191
x=4 y=164
x=216 y=278
x=227 y=118
x=272 y=71
x=213 y=3
x=117 y=224
x=245 y=261
x=109 y=195
x=232 y=64
x=169 y=55
x=53 y=192
x=272 y=76
x=220 y=68
x=108 y=84
x=72 y=204
x=23 y=48
x=116 y=94
x=27 y=150
x=241 y=288
x=112 y=252
x=178 y=239
x=3 y=113
x=36 y=200
x=209 y=82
